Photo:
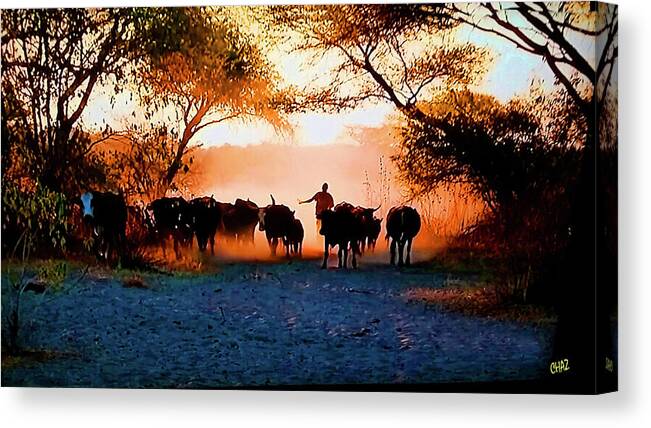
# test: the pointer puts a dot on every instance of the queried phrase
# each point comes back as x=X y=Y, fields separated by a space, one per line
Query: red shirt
x=323 y=200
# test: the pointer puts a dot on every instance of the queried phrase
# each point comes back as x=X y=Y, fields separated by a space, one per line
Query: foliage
x=83 y=167
x=503 y=151
x=139 y=161
x=214 y=73
x=52 y=61
x=392 y=53
x=520 y=158
x=550 y=31
x=33 y=219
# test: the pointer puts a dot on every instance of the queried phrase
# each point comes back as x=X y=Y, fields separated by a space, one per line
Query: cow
x=372 y=231
x=227 y=211
x=206 y=219
x=341 y=227
x=370 y=226
x=295 y=238
x=171 y=218
x=240 y=220
x=276 y=221
x=105 y=214
x=403 y=224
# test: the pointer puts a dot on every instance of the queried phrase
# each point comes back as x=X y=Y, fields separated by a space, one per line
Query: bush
x=33 y=220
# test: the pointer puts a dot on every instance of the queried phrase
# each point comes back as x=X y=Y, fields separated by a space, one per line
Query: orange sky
x=511 y=73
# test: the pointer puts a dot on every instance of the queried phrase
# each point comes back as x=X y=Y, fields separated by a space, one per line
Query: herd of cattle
x=352 y=229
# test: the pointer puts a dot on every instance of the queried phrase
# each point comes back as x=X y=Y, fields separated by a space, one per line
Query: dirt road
x=268 y=324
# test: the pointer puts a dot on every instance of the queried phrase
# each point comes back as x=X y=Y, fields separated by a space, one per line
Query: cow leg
x=113 y=251
x=274 y=246
x=103 y=250
x=393 y=251
x=401 y=248
x=287 y=248
x=408 y=256
x=326 y=253
x=354 y=257
x=212 y=244
x=122 y=246
x=346 y=256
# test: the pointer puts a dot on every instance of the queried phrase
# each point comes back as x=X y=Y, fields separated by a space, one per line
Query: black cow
x=372 y=231
x=106 y=214
x=341 y=227
x=227 y=211
x=370 y=226
x=403 y=224
x=206 y=219
x=277 y=222
x=240 y=220
x=171 y=218
x=295 y=238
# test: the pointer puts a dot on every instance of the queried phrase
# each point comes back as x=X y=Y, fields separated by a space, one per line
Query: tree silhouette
x=382 y=53
x=215 y=74
x=550 y=31
x=53 y=59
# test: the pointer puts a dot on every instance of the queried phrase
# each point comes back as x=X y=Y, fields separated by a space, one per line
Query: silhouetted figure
x=324 y=202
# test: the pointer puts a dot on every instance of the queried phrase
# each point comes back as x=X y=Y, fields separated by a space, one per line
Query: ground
x=261 y=323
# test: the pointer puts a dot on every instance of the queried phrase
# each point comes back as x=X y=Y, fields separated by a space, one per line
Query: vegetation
x=530 y=161
x=32 y=222
x=215 y=74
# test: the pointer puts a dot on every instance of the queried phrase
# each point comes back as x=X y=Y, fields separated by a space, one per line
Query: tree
x=502 y=151
x=214 y=74
x=138 y=163
x=53 y=59
x=551 y=31
x=362 y=35
x=386 y=53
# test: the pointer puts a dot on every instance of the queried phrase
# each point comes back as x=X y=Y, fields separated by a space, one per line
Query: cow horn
x=378 y=207
x=273 y=201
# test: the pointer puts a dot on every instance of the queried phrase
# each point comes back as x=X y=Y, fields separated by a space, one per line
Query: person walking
x=324 y=201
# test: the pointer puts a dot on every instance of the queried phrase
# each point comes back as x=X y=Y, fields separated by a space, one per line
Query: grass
x=134 y=281
x=460 y=263
x=477 y=299
x=29 y=357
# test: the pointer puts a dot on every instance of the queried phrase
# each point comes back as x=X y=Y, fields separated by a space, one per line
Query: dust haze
x=361 y=174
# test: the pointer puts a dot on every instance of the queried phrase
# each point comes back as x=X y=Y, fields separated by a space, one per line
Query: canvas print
x=385 y=197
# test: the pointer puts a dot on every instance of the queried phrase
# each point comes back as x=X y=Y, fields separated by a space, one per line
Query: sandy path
x=270 y=324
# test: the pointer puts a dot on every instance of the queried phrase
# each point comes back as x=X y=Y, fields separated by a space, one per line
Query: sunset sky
x=511 y=73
